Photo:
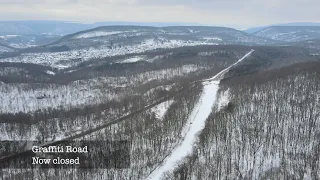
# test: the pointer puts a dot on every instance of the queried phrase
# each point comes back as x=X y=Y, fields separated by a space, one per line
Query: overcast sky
x=235 y=13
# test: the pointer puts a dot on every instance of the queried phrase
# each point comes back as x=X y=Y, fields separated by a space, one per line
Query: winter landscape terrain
x=290 y=33
x=194 y=102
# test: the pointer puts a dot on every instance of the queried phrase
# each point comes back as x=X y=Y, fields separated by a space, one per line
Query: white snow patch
x=50 y=72
x=9 y=36
x=161 y=109
x=212 y=38
x=132 y=59
x=97 y=34
x=159 y=57
x=169 y=87
x=223 y=99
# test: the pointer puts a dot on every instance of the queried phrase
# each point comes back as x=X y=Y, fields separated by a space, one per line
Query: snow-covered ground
x=65 y=59
x=210 y=53
x=99 y=33
x=20 y=97
x=15 y=98
x=132 y=59
x=5 y=49
x=196 y=123
x=223 y=99
x=161 y=109
x=142 y=78
x=212 y=38
x=23 y=45
x=50 y=72
x=4 y=71
x=290 y=34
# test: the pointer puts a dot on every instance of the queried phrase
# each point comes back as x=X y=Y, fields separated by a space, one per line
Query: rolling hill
x=109 y=41
x=290 y=33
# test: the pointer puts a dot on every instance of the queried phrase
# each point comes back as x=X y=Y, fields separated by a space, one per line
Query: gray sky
x=235 y=13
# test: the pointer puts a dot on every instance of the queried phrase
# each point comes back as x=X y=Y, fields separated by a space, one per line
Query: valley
x=194 y=102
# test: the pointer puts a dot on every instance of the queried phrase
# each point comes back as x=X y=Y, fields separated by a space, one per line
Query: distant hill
x=22 y=34
x=256 y=29
x=62 y=28
x=290 y=33
x=125 y=35
x=110 y=41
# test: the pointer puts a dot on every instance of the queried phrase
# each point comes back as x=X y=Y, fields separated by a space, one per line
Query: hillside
x=264 y=126
x=192 y=33
x=290 y=33
x=312 y=44
x=41 y=103
x=256 y=29
x=192 y=103
x=110 y=41
x=22 y=34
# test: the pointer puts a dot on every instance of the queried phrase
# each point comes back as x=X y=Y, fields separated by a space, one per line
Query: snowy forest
x=189 y=109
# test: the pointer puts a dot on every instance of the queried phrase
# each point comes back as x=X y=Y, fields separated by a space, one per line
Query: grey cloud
x=215 y=12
